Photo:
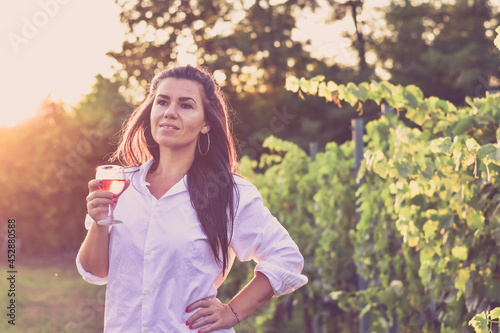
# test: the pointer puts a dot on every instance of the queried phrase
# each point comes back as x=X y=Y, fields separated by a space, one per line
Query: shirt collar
x=180 y=186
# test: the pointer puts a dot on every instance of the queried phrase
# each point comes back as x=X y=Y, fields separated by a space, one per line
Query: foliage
x=48 y=161
x=428 y=234
x=315 y=200
x=445 y=48
x=250 y=47
x=483 y=321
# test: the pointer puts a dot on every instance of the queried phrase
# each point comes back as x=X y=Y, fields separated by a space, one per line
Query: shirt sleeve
x=259 y=236
x=90 y=278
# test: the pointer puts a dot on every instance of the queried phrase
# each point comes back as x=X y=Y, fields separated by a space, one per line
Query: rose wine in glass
x=113 y=180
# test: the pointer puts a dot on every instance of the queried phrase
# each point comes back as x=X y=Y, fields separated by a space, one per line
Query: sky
x=57 y=47
x=54 y=47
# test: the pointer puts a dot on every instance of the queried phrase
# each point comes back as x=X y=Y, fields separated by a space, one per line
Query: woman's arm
x=251 y=298
x=257 y=236
x=94 y=252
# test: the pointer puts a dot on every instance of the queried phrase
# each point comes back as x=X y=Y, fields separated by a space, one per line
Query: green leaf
x=332 y=86
x=324 y=92
x=412 y=95
x=475 y=220
x=292 y=84
x=479 y=323
x=347 y=93
x=430 y=227
x=495 y=313
x=460 y=252
x=374 y=92
x=443 y=105
x=441 y=145
x=472 y=145
x=318 y=78
x=404 y=169
x=335 y=295
x=417 y=115
x=463 y=126
x=361 y=92
x=305 y=85
x=461 y=280
x=486 y=150
x=379 y=164
x=365 y=310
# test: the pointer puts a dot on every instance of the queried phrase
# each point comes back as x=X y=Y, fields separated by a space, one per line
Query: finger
x=221 y=317
x=99 y=197
x=198 y=315
x=98 y=202
x=94 y=184
x=211 y=323
x=202 y=303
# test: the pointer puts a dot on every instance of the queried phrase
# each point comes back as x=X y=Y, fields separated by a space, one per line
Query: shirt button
x=146 y=330
x=147 y=291
x=148 y=252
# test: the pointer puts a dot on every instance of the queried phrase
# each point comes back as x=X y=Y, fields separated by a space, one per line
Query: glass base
x=109 y=221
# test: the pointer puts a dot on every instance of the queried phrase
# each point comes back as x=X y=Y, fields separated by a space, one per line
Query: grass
x=52 y=297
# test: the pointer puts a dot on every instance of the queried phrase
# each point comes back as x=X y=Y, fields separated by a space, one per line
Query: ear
x=205 y=128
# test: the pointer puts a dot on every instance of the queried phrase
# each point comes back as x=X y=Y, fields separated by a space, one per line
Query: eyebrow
x=182 y=99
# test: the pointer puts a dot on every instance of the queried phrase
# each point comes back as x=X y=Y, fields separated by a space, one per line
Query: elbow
x=98 y=269
x=100 y=273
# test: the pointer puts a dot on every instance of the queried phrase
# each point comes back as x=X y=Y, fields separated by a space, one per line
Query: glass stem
x=110 y=211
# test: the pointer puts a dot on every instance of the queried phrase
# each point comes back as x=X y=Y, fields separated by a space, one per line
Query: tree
x=445 y=48
x=48 y=161
x=250 y=48
x=355 y=7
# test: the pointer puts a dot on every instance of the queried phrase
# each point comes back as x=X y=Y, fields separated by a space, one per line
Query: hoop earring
x=146 y=138
x=208 y=145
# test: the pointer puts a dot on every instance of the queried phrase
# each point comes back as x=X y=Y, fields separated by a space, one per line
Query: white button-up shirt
x=160 y=260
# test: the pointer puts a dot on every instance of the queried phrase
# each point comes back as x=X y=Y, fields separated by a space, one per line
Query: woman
x=186 y=216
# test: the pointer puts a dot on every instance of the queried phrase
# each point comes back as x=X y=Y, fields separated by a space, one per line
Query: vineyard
x=427 y=196
x=399 y=227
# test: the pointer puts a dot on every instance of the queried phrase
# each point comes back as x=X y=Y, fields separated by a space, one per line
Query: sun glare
x=53 y=49
x=57 y=50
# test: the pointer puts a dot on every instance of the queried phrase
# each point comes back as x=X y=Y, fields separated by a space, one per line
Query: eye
x=186 y=106
x=162 y=102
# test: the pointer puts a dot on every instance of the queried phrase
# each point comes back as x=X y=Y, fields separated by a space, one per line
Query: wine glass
x=113 y=180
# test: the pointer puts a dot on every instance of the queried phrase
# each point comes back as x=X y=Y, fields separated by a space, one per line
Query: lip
x=171 y=127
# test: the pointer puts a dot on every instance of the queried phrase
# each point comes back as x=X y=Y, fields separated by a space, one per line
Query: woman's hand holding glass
x=104 y=191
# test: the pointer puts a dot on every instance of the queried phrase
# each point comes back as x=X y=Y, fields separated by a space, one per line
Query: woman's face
x=177 y=115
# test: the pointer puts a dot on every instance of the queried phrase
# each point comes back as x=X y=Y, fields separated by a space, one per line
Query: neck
x=173 y=164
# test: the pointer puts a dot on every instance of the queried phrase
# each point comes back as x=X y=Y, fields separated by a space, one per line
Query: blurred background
x=73 y=70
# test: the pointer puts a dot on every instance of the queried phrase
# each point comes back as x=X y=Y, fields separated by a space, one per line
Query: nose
x=171 y=111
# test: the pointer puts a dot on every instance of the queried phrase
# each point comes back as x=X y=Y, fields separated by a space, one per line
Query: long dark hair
x=210 y=178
